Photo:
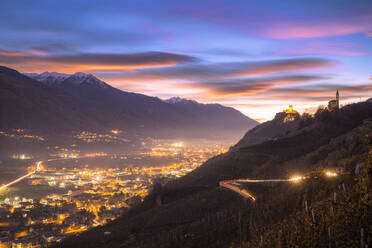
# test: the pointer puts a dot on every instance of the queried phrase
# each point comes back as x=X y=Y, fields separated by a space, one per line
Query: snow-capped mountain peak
x=77 y=78
x=81 y=77
x=174 y=100
x=53 y=74
x=48 y=77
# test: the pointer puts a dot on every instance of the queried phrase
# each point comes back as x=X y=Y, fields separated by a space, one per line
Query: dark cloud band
x=213 y=71
x=144 y=58
x=248 y=86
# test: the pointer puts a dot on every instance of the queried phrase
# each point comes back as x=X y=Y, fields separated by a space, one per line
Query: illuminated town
x=73 y=196
x=19 y=133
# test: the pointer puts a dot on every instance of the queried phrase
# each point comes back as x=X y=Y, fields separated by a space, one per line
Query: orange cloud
x=119 y=79
x=104 y=67
x=12 y=54
x=90 y=62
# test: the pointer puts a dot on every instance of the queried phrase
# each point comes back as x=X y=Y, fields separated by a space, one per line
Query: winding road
x=235 y=186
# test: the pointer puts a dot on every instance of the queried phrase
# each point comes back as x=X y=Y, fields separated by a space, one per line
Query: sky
x=256 y=56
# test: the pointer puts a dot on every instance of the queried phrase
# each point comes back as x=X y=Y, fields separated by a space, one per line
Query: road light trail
x=232 y=184
x=22 y=177
x=38 y=164
x=229 y=185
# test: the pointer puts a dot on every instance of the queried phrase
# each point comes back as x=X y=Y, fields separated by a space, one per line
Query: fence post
x=261 y=240
x=312 y=213
x=329 y=237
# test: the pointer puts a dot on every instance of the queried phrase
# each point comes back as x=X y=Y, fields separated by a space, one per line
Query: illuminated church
x=335 y=103
x=290 y=110
x=291 y=114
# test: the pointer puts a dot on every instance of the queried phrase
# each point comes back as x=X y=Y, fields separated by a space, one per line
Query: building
x=290 y=110
x=335 y=103
x=291 y=114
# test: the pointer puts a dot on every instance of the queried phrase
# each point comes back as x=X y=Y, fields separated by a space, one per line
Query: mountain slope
x=83 y=102
x=210 y=113
x=246 y=159
x=27 y=103
x=341 y=208
x=195 y=212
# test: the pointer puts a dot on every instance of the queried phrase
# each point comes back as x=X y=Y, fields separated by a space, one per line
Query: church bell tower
x=337 y=99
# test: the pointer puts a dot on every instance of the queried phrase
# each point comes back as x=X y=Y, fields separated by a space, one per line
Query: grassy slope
x=337 y=221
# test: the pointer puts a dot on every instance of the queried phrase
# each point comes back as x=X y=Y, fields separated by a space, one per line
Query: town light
x=296 y=178
x=330 y=174
x=115 y=131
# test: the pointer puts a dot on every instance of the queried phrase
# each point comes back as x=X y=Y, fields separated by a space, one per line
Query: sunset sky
x=256 y=56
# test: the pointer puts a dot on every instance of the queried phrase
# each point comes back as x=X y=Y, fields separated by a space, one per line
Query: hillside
x=262 y=160
x=65 y=103
x=194 y=212
x=270 y=130
x=338 y=214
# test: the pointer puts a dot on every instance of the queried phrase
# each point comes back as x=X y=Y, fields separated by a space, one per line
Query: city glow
x=178 y=144
x=87 y=196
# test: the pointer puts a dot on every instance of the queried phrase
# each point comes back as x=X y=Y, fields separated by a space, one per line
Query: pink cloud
x=38 y=52
x=325 y=48
x=294 y=29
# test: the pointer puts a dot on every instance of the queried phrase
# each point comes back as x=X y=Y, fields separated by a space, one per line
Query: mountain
x=210 y=113
x=54 y=102
x=27 y=103
x=48 y=77
x=193 y=211
x=55 y=78
x=179 y=100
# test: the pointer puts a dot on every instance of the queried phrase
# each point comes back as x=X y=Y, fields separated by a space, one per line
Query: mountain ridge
x=98 y=105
